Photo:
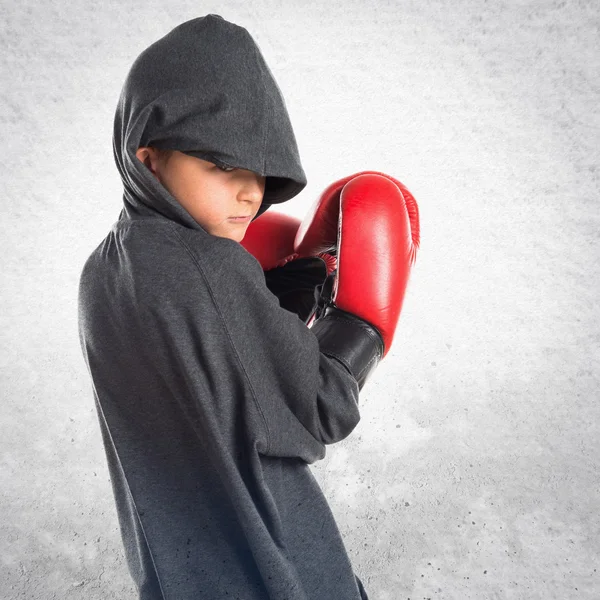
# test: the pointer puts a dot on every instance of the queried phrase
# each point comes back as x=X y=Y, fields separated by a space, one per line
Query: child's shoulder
x=216 y=251
x=166 y=251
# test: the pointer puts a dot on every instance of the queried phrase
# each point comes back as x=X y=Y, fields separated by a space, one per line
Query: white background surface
x=473 y=473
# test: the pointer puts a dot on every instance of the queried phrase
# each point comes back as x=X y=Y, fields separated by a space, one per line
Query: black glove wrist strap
x=358 y=345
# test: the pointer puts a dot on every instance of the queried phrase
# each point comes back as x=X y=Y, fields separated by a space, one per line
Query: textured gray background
x=474 y=470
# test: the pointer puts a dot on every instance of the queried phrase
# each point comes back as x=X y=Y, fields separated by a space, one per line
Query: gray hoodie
x=212 y=398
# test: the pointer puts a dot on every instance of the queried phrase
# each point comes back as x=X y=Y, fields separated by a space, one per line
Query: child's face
x=211 y=196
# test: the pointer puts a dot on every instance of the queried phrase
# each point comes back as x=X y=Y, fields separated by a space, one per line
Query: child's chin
x=236 y=236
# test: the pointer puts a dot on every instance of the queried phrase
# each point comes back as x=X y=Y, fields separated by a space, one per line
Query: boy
x=212 y=399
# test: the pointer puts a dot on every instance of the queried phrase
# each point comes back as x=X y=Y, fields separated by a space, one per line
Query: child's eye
x=225 y=168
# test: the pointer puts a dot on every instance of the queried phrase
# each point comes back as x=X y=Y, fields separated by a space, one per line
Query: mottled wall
x=474 y=470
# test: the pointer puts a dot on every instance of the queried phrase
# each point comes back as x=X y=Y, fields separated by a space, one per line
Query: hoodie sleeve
x=304 y=399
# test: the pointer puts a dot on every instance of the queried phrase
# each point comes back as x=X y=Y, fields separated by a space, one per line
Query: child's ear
x=149 y=156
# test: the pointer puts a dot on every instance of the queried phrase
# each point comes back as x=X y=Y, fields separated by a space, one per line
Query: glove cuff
x=351 y=340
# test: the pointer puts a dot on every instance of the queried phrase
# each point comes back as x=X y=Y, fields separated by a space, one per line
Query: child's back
x=212 y=399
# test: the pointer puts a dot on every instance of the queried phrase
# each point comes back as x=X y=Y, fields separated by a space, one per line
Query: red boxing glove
x=270 y=238
x=371 y=222
x=294 y=280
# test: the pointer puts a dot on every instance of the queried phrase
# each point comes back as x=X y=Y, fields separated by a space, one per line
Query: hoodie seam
x=264 y=149
x=254 y=396
x=267 y=126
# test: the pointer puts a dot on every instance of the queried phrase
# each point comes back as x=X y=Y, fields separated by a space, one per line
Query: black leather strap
x=358 y=345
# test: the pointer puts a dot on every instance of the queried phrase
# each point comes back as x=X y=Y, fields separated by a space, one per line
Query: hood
x=205 y=89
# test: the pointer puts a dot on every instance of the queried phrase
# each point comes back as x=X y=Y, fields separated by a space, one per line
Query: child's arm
x=260 y=364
